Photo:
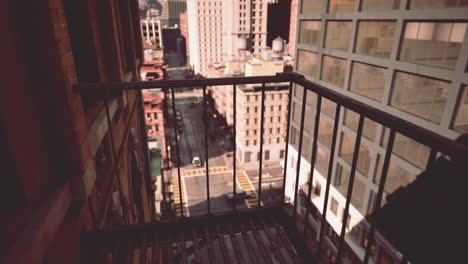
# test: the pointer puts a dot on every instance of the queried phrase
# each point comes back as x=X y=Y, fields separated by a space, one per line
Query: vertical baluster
x=378 y=201
x=177 y=150
x=114 y=155
x=299 y=153
x=313 y=158
x=234 y=153
x=287 y=142
x=350 y=186
x=205 y=118
x=327 y=189
x=431 y=159
x=262 y=115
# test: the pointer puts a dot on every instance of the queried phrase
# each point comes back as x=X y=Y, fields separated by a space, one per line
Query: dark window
x=247 y=156
x=334 y=206
x=317 y=189
x=282 y=154
x=267 y=155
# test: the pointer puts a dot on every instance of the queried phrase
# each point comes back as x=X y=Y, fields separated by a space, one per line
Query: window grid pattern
x=379 y=63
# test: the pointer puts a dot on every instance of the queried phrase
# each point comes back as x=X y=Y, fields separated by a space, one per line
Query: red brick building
x=72 y=160
x=154 y=106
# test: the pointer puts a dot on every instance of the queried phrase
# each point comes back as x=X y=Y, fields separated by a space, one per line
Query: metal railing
x=437 y=143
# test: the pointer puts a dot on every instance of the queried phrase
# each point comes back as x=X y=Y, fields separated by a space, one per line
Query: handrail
x=404 y=127
x=436 y=142
x=420 y=134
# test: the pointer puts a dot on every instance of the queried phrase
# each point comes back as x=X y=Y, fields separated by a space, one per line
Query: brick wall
x=46 y=124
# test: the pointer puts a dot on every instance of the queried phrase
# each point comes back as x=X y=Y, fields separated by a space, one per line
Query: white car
x=196 y=161
x=240 y=195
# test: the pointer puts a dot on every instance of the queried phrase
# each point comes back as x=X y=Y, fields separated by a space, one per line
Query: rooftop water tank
x=278 y=44
x=241 y=42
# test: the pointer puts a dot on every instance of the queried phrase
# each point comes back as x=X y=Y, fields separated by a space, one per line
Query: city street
x=193 y=193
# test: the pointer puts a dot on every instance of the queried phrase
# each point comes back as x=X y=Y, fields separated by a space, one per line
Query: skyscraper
x=205 y=31
x=248 y=19
x=176 y=8
x=414 y=68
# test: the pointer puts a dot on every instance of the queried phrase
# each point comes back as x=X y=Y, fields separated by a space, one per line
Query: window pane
x=333 y=70
x=375 y=38
x=312 y=6
x=325 y=132
x=307 y=62
x=306 y=145
x=396 y=177
x=374 y=5
x=347 y=152
x=461 y=120
x=341 y=6
x=299 y=91
x=352 y=121
x=321 y=164
x=338 y=34
x=368 y=81
x=296 y=113
x=328 y=107
x=423 y=4
x=311 y=98
x=309 y=120
x=435 y=44
x=408 y=149
x=342 y=182
x=422 y=96
x=309 y=32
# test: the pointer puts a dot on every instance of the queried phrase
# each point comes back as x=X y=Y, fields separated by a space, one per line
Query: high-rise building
x=205 y=30
x=247 y=19
x=176 y=8
x=184 y=33
x=293 y=27
x=151 y=33
x=154 y=9
x=248 y=99
x=407 y=58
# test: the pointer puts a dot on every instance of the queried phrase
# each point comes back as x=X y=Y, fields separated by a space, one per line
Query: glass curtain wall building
x=406 y=57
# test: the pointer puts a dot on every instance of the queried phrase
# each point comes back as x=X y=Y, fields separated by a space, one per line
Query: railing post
x=327 y=189
x=262 y=116
x=205 y=118
x=350 y=187
x=283 y=192
x=299 y=152
x=234 y=153
x=378 y=201
x=313 y=158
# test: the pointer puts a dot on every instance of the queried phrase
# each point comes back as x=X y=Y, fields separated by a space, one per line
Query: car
x=228 y=153
x=240 y=195
x=196 y=161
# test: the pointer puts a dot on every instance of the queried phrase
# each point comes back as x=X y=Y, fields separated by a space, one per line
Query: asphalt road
x=194 y=188
x=191 y=144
